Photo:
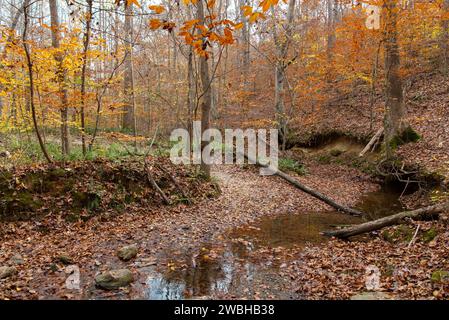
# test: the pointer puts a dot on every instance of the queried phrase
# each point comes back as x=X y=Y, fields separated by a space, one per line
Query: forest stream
x=234 y=271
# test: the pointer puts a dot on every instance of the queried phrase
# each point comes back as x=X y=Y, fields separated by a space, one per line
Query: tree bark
x=387 y=221
x=330 y=27
x=55 y=35
x=128 y=83
x=280 y=69
x=12 y=28
x=394 y=122
x=206 y=93
x=190 y=93
x=245 y=54
x=86 y=41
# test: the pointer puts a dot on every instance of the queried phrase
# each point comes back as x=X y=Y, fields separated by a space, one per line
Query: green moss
x=87 y=200
x=288 y=164
x=400 y=234
x=324 y=159
x=72 y=217
x=387 y=236
x=18 y=205
x=408 y=135
x=389 y=270
x=429 y=235
x=440 y=276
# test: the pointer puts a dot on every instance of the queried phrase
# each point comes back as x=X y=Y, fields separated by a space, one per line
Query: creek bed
x=232 y=271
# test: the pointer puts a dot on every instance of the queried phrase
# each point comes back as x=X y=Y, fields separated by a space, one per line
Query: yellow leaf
x=157 y=9
x=256 y=16
x=247 y=10
x=238 y=26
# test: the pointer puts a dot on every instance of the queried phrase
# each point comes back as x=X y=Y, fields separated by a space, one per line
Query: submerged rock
x=6 y=272
x=114 y=279
x=127 y=253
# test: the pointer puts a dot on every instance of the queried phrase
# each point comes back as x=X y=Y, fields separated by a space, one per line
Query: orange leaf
x=155 y=24
x=210 y=3
x=157 y=9
x=131 y=2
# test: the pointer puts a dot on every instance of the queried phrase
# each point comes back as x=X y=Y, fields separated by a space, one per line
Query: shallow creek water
x=230 y=270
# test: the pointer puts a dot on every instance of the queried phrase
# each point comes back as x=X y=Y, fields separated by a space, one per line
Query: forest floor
x=198 y=251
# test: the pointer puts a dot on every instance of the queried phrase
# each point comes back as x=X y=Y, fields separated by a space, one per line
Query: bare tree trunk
x=206 y=94
x=31 y=85
x=330 y=27
x=280 y=69
x=128 y=117
x=86 y=41
x=372 y=142
x=190 y=93
x=394 y=122
x=245 y=54
x=55 y=35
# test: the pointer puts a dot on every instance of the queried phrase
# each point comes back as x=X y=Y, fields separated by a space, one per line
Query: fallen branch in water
x=387 y=221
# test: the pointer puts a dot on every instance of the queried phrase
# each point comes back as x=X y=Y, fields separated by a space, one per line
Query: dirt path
x=165 y=236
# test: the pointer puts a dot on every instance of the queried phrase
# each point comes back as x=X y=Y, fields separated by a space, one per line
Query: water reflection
x=202 y=277
x=384 y=202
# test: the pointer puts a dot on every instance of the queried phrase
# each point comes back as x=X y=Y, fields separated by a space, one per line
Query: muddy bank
x=418 y=187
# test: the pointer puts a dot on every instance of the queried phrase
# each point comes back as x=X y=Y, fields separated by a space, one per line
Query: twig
x=154 y=184
x=414 y=237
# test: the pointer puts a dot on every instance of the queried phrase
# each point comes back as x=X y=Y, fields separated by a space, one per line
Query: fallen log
x=387 y=221
x=373 y=140
x=306 y=189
